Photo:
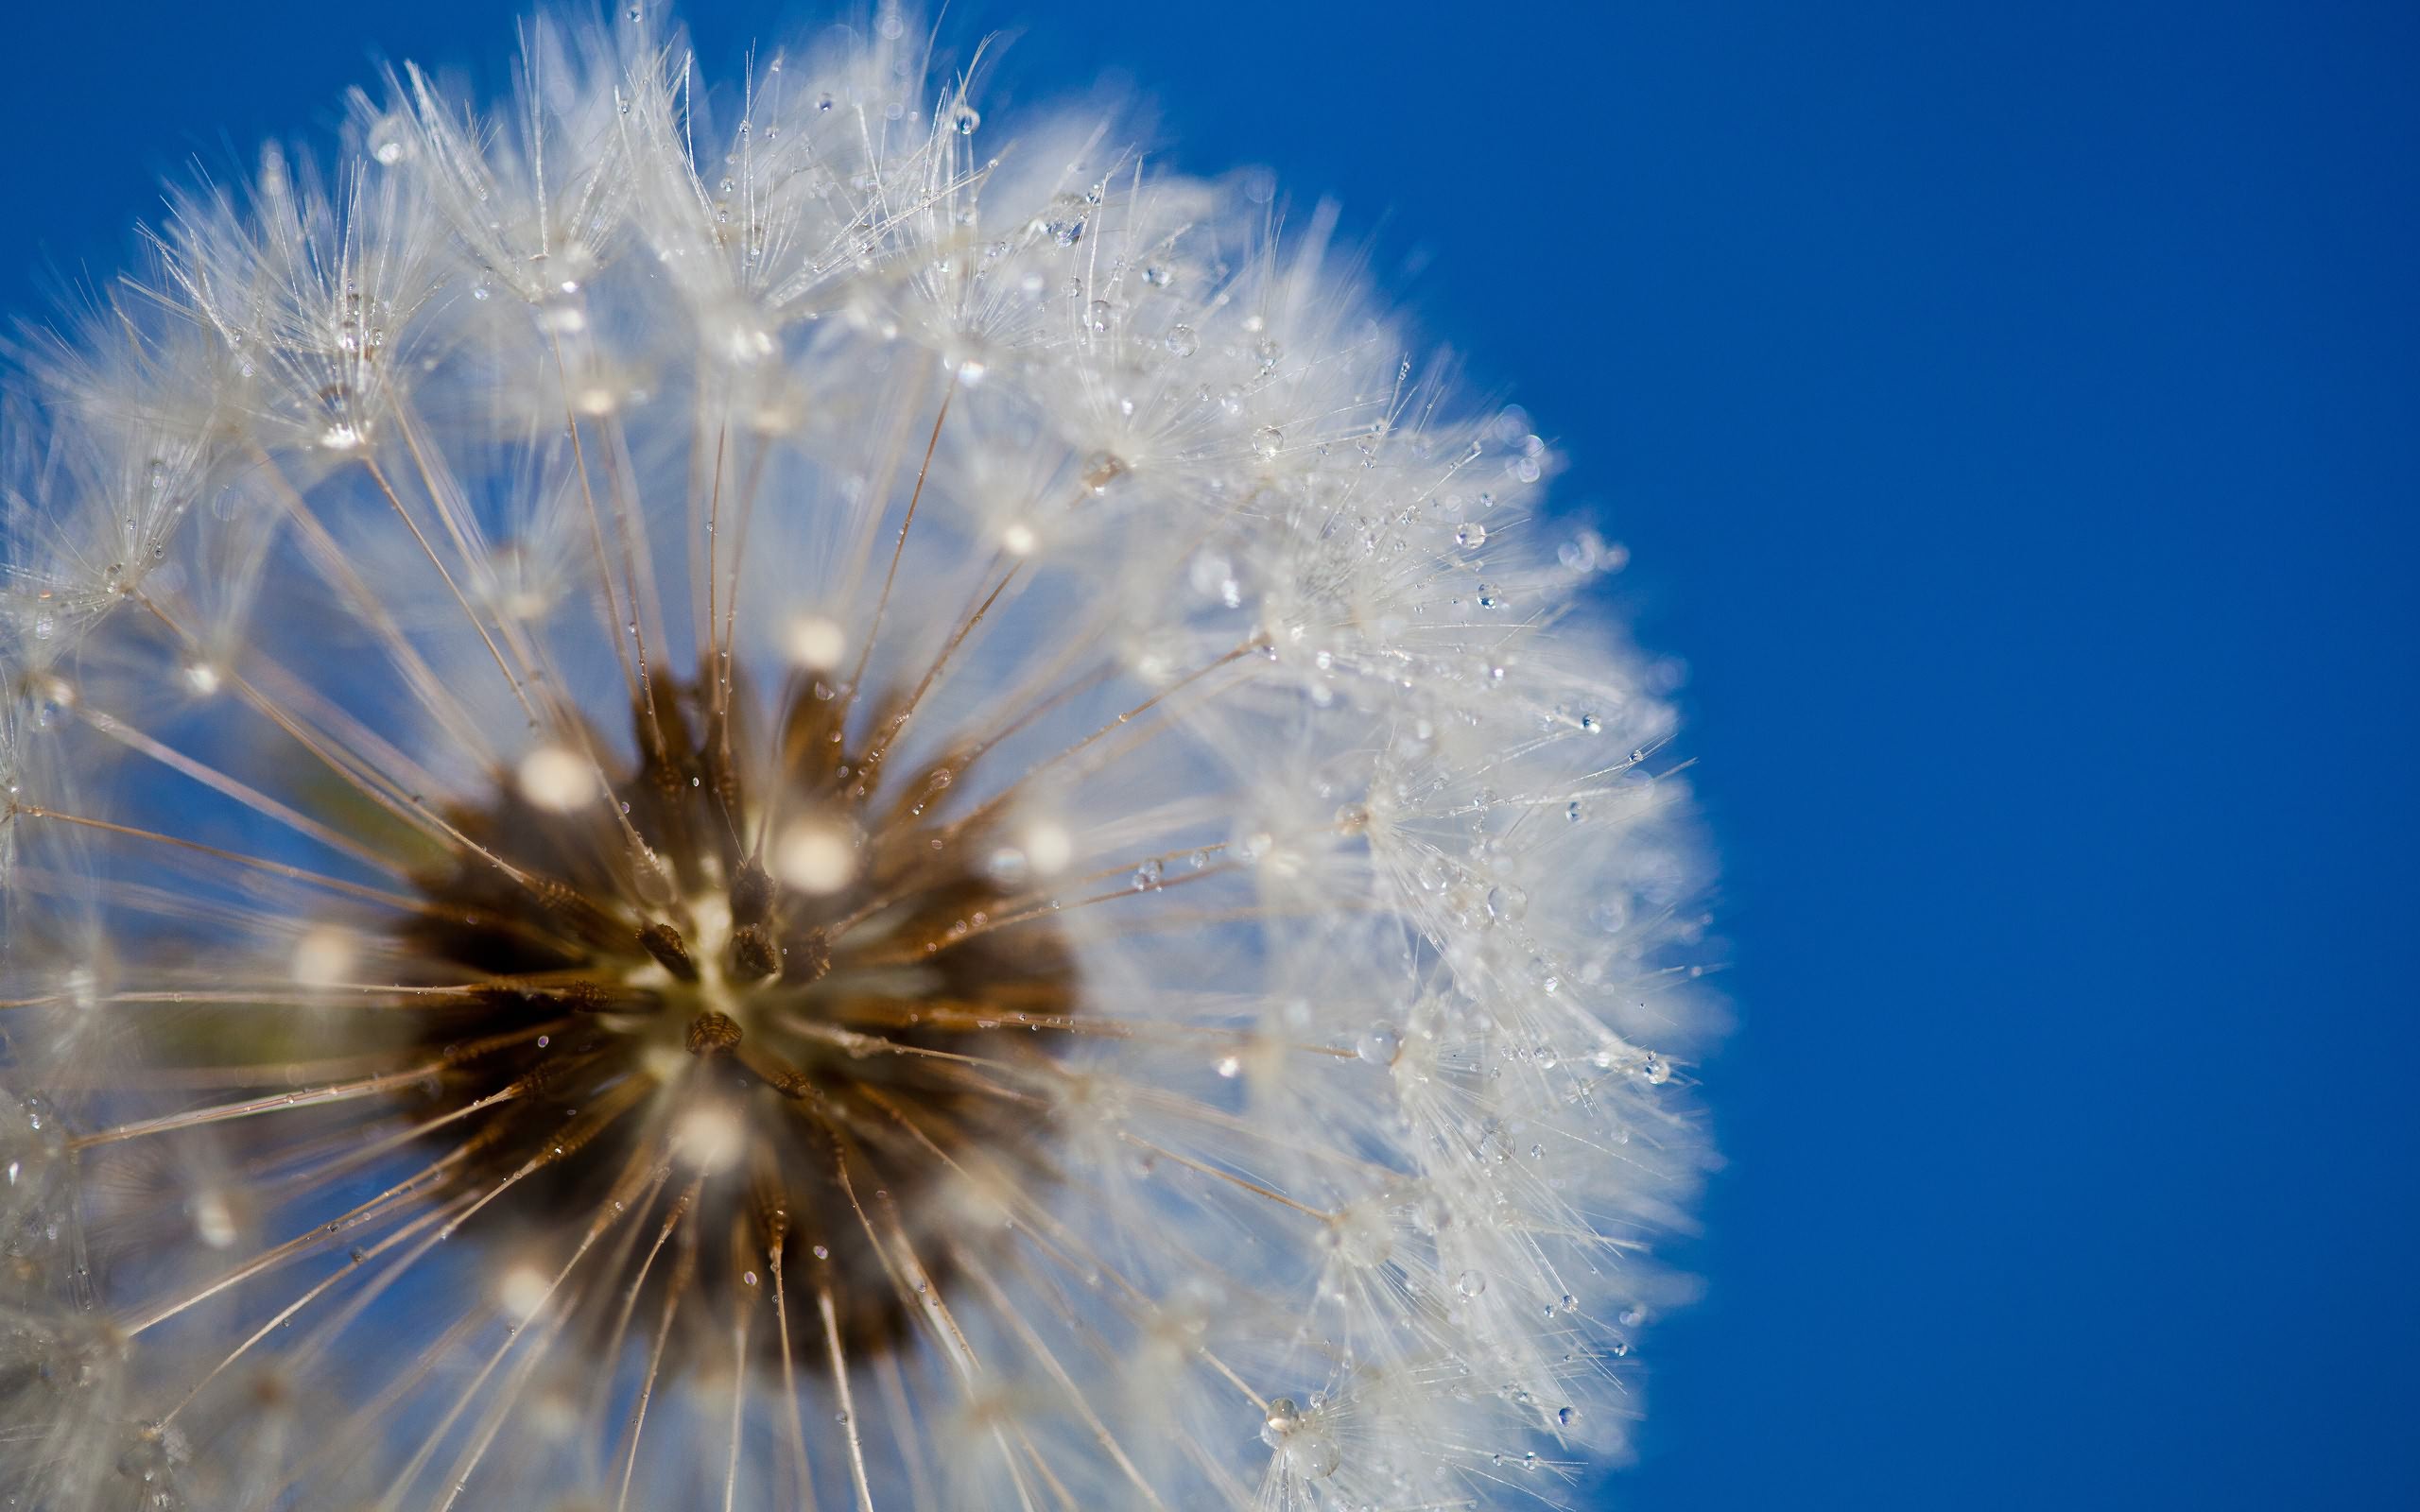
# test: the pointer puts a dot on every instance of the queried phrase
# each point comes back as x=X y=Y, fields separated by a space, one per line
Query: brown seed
x=711 y=1032
x=671 y=952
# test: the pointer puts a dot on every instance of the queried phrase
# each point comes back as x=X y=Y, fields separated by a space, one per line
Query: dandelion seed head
x=793 y=796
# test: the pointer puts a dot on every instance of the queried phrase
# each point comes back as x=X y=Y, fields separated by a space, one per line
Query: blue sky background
x=2013 y=419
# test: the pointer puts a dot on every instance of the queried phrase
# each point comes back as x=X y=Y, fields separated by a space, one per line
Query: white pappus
x=810 y=802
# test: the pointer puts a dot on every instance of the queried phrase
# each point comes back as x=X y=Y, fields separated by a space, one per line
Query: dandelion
x=796 y=804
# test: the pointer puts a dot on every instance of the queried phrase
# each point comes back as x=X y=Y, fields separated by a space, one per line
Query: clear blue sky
x=2012 y=418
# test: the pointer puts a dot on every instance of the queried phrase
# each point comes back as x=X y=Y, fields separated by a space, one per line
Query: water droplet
x=966 y=118
x=1470 y=1284
x=1181 y=340
x=1102 y=469
x=1281 y=1418
x=1065 y=223
x=1148 y=875
x=1266 y=440
x=1311 y=1456
x=1473 y=533
x=1378 y=1045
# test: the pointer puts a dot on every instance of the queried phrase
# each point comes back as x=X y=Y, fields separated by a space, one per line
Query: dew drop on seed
x=1282 y=1418
x=1470 y=1284
x=1102 y=469
x=966 y=118
x=1148 y=875
x=1473 y=533
x=1377 y=1045
x=1181 y=342
x=1312 y=1456
x=1267 y=439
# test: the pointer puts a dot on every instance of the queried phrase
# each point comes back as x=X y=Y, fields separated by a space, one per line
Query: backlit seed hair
x=781 y=799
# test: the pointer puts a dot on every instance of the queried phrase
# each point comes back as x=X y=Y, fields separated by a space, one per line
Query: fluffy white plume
x=822 y=804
